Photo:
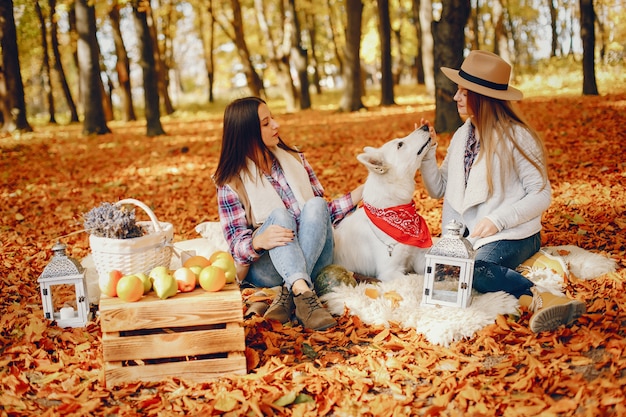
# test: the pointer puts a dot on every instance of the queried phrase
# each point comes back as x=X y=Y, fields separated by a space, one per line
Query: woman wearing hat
x=494 y=180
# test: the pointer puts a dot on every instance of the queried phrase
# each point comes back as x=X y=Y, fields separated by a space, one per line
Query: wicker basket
x=138 y=254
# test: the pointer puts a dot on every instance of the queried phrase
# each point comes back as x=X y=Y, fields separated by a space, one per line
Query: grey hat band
x=482 y=82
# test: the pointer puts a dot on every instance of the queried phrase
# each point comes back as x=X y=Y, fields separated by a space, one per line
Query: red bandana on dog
x=402 y=223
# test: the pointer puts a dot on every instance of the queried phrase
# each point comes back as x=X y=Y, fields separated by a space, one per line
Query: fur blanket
x=400 y=300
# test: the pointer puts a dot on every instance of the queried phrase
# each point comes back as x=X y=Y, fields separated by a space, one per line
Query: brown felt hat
x=485 y=73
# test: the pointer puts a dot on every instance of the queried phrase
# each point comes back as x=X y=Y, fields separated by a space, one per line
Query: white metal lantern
x=449 y=270
x=64 y=270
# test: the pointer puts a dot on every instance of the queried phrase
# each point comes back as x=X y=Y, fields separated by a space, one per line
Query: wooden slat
x=195 y=371
x=174 y=344
x=198 y=307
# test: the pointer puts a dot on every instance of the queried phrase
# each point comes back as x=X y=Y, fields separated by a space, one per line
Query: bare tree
x=351 y=97
x=587 y=33
x=94 y=121
x=449 y=42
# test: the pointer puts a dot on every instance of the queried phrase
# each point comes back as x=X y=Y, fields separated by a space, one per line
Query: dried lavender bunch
x=110 y=221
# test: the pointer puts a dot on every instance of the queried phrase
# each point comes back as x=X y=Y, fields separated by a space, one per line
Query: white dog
x=360 y=244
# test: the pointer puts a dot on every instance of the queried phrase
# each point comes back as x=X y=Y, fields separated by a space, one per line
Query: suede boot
x=311 y=312
x=281 y=308
x=551 y=311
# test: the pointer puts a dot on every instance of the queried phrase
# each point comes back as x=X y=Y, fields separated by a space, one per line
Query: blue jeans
x=304 y=257
x=495 y=263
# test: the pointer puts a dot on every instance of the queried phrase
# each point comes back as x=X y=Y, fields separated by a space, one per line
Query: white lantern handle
x=150 y=213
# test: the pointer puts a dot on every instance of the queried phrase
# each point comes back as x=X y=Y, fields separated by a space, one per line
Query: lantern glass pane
x=446 y=283
x=63 y=295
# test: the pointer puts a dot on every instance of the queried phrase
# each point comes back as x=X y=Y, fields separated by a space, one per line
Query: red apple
x=108 y=282
x=186 y=279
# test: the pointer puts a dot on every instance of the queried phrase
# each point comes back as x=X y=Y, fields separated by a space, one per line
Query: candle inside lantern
x=67 y=313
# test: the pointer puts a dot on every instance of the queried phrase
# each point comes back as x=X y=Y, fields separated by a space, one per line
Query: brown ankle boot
x=311 y=312
x=281 y=308
x=551 y=311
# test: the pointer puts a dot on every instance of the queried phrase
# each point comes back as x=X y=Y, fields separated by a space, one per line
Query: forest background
x=57 y=165
x=65 y=61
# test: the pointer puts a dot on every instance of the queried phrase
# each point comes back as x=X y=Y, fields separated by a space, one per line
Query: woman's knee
x=281 y=217
x=315 y=210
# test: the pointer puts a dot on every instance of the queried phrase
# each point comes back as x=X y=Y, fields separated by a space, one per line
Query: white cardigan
x=516 y=204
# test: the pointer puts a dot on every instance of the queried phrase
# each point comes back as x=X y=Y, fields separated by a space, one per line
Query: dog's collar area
x=403 y=223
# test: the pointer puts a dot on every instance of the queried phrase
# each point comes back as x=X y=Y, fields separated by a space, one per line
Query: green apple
x=147 y=282
x=228 y=265
x=163 y=283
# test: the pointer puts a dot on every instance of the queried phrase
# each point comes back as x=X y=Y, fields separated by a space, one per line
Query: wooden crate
x=196 y=336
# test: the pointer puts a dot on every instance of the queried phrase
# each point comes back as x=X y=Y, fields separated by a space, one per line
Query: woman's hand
x=273 y=236
x=484 y=228
x=431 y=129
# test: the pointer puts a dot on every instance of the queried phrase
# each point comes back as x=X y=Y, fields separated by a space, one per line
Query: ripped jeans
x=304 y=257
x=495 y=263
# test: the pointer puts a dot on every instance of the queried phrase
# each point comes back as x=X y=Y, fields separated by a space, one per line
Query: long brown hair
x=241 y=139
x=495 y=121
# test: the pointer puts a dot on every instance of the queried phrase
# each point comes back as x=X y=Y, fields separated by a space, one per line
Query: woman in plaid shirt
x=273 y=213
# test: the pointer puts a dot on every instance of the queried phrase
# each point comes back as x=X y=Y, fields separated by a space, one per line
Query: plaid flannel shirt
x=233 y=215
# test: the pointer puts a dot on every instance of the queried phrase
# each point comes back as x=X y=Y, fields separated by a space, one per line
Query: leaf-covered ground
x=51 y=177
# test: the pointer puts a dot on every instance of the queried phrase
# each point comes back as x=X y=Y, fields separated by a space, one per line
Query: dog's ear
x=373 y=161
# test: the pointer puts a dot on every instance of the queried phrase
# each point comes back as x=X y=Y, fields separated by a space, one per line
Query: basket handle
x=155 y=222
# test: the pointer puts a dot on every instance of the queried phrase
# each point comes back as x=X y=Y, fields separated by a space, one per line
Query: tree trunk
x=12 y=104
x=384 y=32
x=418 y=61
x=427 y=46
x=58 y=65
x=146 y=62
x=207 y=45
x=161 y=70
x=312 y=28
x=587 y=33
x=300 y=58
x=449 y=41
x=553 y=23
x=122 y=66
x=94 y=121
x=45 y=64
x=351 y=97
x=73 y=41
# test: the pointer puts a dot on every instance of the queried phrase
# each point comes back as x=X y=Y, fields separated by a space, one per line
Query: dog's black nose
x=424 y=128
